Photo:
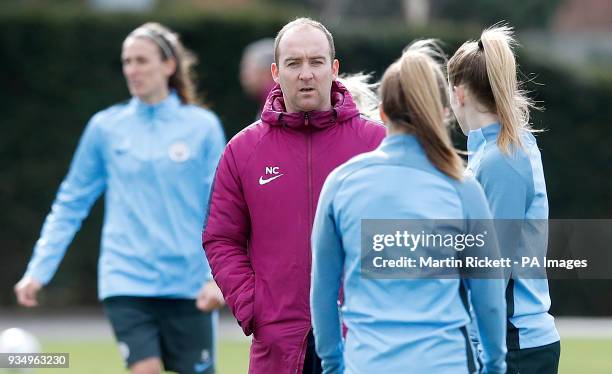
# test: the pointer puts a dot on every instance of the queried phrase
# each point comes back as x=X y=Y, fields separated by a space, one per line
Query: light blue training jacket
x=515 y=188
x=397 y=325
x=156 y=164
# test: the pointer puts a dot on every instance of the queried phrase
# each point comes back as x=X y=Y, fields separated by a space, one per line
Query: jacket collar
x=405 y=147
x=343 y=108
x=399 y=140
x=491 y=132
x=479 y=137
x=163 y=108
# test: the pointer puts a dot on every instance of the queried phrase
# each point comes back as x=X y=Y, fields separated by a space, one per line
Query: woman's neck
x=155 y=97
x=477 y=118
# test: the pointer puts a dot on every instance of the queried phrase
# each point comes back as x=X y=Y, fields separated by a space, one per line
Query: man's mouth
x=307 y=89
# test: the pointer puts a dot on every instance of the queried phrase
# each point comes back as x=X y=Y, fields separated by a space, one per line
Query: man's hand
x=26 y=290
x=210 y=297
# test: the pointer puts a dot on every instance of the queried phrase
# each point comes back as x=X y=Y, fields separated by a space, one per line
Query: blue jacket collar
x=164 y=107
x=479 y=137
x=397 y=140
x=405 y=149
x=491 y=132
x=401 y=145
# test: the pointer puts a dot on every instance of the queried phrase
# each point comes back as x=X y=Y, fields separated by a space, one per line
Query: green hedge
x=59 y=69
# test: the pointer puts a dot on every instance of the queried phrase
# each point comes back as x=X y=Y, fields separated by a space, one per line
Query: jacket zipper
x=302 y=354
x=151 y=137
x=309 y=142
x=310 y=197
x=306 y=123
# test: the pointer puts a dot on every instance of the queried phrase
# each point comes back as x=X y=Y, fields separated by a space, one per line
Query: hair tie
x=480 y=46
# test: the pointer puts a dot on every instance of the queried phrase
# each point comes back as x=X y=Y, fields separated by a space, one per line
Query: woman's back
x=426 y=316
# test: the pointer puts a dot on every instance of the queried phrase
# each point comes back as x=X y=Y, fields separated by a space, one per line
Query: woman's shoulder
x=358 y=162
x=513 y=162
x=111 y=114
x=467 y=186
x=472 y=197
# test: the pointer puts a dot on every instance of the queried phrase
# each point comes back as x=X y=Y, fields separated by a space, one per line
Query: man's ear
x=335 y=68
x=274 y=70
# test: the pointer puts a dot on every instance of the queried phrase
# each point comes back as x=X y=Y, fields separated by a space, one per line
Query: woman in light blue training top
x=401 y=325
x=504 y=158
x=154 y=157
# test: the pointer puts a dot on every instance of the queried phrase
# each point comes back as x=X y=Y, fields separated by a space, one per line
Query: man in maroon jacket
x=264 y=197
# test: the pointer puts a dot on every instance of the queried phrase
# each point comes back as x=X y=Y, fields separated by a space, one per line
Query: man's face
x=145 y=72
x=304 y=69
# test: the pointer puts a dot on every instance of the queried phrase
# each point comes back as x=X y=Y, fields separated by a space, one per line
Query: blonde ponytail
x=488 y=68
x=414 y=96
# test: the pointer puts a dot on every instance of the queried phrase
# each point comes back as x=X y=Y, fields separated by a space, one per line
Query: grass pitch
x=591 y=356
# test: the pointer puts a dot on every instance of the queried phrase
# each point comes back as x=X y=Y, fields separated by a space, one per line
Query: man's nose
x=306 y=74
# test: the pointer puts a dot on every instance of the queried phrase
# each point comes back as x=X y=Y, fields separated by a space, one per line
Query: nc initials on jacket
x=272 y=170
